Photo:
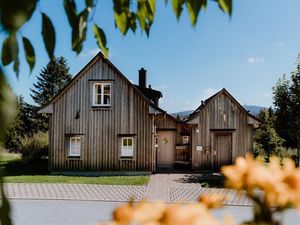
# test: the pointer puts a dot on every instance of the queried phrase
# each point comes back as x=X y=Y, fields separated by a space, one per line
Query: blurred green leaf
x=78 y=23
x=16 y=66
x=145 y=14
x=8 y=105
x=226 y=6
x=122 y=15
x=79 y=31
x=89 y=3
x=70 y=9
x=7 y=54
x=178 y=7
x=48 y=33
x=14 y=13
x=101 y=39
x=29 y=53
x=152 y=5
x=133 y=24
x=10 y=51
x=193 y=8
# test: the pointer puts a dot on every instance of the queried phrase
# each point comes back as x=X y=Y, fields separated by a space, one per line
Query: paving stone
x=75 y=192
x=176 y=188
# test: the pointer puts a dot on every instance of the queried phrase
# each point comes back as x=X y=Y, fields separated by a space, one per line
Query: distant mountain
x=183 y=113
x=253 y=109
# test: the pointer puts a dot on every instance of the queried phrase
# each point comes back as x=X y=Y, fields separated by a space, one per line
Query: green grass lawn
x=8 y=157
x=111 y=180
x=17 y=171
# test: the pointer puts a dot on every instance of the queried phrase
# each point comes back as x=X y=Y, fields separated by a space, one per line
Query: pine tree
x=25 y=124
x=52 y=78
x=283 y=111
x=266 y=138
x=287 y=106
x=295 y=107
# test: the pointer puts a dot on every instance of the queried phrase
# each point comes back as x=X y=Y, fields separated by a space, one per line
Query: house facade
x=102 y=122
x=221 y=131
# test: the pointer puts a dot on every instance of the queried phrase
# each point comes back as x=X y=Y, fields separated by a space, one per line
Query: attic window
x=101 y=94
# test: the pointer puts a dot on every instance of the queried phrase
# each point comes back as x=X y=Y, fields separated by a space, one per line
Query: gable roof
x=208 y=100
x=98 y=57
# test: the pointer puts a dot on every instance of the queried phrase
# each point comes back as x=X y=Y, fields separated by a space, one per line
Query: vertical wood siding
x=222 y=113
x=100 y=129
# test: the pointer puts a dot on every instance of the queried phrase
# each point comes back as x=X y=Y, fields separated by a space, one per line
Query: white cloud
x=282 y=43
x=256 y=60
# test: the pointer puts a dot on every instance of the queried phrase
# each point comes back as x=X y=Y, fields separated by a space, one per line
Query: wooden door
x=166 y=148
x=222 y=150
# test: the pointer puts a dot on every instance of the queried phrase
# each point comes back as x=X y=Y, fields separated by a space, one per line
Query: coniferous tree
x=52 y=78
x=266 y=138
x=283 y=111
x=295 y=106
x=25 y=124
x=287 y=106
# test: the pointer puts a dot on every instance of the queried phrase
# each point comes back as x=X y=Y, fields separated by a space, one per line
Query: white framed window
x=74 y=147
x=127 y=147
x=101 y=94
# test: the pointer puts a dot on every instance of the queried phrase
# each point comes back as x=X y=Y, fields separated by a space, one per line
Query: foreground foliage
x=128 y=15
x=273 y=188
x=7 y=113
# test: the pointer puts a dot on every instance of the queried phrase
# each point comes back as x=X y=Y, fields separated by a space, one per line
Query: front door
x=222 y=150
x=166 y=148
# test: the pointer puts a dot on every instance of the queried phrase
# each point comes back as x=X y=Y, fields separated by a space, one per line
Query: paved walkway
x=165 y=187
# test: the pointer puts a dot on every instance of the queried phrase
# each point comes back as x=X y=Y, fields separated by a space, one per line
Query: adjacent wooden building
x=102 y=122
x=221 y=131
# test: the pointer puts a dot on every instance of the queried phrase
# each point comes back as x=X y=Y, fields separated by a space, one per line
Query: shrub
x=283 y=152
x=34 y=148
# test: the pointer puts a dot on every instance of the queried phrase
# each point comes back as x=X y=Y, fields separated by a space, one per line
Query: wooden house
x=221 y=130
x=102 y=122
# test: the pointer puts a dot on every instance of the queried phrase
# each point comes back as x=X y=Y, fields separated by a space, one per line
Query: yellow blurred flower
x=165 y=214
x=278 y=184
x=212 y=200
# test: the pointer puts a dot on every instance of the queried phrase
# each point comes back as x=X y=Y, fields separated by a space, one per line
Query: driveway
x=164 y=187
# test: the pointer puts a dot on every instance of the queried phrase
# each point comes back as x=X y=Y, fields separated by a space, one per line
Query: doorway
x=166 y=148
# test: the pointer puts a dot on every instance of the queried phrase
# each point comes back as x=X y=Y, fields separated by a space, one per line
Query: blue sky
x=246 y=54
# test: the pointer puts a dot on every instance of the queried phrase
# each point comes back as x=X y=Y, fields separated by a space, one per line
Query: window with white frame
x=101 y=94
x=74 y=148
x=127 y=147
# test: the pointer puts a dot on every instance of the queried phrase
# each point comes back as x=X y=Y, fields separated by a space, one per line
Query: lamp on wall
x=77 y=115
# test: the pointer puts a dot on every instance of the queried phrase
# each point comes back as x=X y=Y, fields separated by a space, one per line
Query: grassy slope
x=17 y=171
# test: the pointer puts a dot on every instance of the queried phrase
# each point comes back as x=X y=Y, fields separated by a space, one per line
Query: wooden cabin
x=222 y=130
x=101 y=122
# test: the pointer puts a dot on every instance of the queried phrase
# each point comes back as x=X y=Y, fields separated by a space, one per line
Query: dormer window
x=101 y=94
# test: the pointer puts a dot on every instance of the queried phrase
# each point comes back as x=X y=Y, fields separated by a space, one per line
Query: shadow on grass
x=19 y=168
x=211 y=180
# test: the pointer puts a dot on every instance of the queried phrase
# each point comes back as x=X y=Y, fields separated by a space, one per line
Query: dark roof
x=150 y=93
x=208 y=100
x=86 y=67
